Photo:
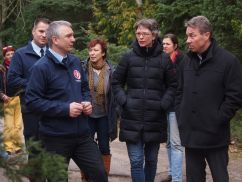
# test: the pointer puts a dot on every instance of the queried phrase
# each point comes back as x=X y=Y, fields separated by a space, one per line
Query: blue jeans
x=100 y=126
x=174 y=148
x=137 y=153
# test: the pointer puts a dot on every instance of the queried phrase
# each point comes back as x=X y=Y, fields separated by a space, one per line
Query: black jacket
x=176 y=64
x=144 y=86
x=208 y=96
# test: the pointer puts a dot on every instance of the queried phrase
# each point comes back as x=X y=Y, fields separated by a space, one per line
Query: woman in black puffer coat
x=144 y=85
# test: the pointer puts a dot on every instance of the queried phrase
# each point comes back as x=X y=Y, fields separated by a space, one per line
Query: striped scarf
x=100 y=98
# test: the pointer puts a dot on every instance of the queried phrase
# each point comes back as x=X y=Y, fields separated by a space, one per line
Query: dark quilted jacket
x=144 y=85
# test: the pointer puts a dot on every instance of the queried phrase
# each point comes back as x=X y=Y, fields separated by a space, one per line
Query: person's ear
x=176 y=46
x=207 y=35
x=33 y=31
x=54 y=40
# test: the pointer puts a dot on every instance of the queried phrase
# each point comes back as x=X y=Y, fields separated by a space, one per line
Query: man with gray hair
x=58 y=91
x=208 y=95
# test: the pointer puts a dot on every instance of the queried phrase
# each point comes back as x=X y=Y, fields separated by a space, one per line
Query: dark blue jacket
x=51 y=89
x=19 y=72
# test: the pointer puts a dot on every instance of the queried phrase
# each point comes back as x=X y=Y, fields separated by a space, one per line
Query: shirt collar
x=36 y=48
x=57 y=56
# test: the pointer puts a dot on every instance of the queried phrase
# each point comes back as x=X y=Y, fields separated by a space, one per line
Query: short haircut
x=43 y=20
x=150 y=24
x=101 y=42
x=173 y=38
x=200 y=22
x=54 y=29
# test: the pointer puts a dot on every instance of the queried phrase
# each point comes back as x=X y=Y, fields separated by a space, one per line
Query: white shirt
x=37 y=48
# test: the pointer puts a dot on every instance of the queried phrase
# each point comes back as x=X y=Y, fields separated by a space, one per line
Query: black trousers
x=83 y=151
x=217 y=160
x=31 y=126
x=31 y=131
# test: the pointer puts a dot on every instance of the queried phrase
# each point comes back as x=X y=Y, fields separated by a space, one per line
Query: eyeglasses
x=144 y=34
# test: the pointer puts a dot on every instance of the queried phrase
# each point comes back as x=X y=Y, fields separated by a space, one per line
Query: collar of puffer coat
x=155 y=50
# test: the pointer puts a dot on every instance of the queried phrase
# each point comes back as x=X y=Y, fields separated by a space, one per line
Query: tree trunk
x=139 y=2
x=139 y=8
x=3 y=15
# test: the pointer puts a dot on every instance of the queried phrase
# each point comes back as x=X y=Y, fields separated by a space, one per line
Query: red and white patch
x=77 y=74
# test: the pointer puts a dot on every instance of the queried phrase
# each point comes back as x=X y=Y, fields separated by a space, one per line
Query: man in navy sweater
x=58 y=90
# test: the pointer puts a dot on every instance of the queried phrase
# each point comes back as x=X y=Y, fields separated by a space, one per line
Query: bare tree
x=10 y=8
x=139 y=2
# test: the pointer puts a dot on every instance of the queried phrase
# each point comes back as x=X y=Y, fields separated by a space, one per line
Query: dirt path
x=234 y=167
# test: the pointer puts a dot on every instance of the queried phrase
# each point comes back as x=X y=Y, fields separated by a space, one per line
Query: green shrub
x=43 y=166
x=236 y=128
